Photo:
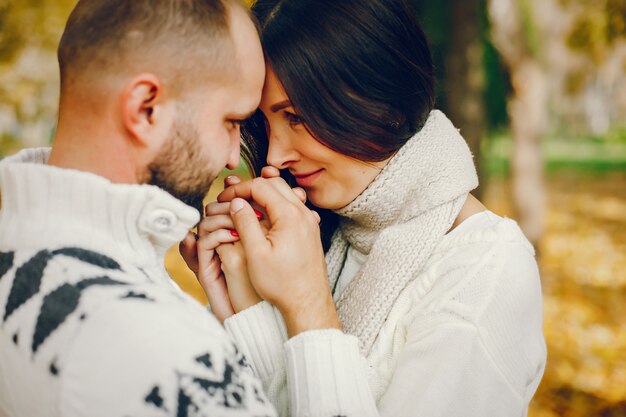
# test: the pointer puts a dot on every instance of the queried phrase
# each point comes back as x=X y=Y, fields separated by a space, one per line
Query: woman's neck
x=472 y=206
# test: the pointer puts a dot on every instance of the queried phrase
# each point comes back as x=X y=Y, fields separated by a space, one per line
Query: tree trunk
x=465 y=78
x=527 y=110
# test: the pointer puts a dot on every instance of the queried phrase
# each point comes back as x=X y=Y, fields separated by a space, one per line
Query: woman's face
x=332 y=180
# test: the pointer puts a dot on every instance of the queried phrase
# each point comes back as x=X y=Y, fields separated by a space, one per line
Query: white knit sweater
x=90 y=323
x=462 y=338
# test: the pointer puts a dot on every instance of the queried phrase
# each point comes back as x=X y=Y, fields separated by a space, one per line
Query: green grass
x=586 y=154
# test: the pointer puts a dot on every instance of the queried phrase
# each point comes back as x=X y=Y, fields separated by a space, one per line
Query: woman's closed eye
x=293 y=119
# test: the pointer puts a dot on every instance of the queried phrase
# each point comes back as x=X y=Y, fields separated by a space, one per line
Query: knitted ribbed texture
x=89 y=319
x=261 y=341
x=316 y=362
x=398 y=220
x=464 y=338
x=141 y=220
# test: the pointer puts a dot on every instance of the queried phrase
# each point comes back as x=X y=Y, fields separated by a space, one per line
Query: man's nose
x=234 y=155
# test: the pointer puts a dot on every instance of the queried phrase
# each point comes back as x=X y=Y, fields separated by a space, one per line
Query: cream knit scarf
x=397 y=221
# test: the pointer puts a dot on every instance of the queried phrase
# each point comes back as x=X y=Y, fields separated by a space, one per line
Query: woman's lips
x=306 y=180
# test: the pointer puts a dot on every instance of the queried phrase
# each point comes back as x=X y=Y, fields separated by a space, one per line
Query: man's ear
x=143 y=110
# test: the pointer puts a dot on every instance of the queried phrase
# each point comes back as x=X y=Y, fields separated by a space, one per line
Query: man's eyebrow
x=279 y=106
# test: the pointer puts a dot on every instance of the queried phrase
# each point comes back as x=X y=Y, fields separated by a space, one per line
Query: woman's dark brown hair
x=359 y=73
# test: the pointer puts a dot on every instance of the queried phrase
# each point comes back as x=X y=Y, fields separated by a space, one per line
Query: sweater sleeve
x=138 y=358
x=327 y=375
x=260 y=333
x=317 y=373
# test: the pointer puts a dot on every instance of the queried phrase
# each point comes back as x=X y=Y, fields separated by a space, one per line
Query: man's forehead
x=249 y=87
x=247 y=105
x=228 y=97
x=238 y=88
x=249 y=57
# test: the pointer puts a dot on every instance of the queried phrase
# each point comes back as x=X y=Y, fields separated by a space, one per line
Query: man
x=152 y=93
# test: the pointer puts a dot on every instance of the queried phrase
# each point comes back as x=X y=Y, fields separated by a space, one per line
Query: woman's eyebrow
x=279 y=106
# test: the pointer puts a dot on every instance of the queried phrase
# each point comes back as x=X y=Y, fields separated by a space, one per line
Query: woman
x=443 y=295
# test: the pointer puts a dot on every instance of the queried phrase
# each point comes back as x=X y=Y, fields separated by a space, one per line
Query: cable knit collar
x=432 y=168
x=67 y=207
x=398 y=221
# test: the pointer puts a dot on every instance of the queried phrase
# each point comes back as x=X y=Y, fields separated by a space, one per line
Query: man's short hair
x=176 y=38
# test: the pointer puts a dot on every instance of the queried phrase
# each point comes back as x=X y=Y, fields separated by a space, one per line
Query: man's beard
x=180 y=167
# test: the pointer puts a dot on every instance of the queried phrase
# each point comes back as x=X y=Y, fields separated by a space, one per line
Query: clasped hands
x=244 y=255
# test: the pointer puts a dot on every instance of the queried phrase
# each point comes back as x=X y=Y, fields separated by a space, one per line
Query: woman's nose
x=280 y=153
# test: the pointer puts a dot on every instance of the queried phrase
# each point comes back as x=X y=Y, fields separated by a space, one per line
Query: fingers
x=270 y=172
x=300 y=193
x=273 y=172
x=231 y=180
x=242 y=190
x=245 y=189
x=233 y=261
x=249 y=190
x=219 y=300
x=213 y=223
x=281 y=186
x=240 y=290
x=209 y=241
x=231 y=255
x=250 y=231
x=256 y=191
x=210 y=275
x=188 y=250
x=213 y=209
x=216 y=221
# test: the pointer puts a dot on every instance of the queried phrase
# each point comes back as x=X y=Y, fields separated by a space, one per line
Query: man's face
x=205 y=136
x=182 y=167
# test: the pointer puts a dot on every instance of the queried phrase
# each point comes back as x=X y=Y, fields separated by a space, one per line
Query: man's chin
x=194 y=201
x=180 y=187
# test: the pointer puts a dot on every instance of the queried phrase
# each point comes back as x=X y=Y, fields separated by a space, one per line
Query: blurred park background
x=538 y=88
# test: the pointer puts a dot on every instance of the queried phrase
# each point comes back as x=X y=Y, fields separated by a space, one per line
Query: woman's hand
x=218 y=261
x=240 y=290
x=286 y=265
x=202 y=258
x=199 y=253
x=269 y=172
x=224 y=275
x=211 y=279
x=231 y=255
